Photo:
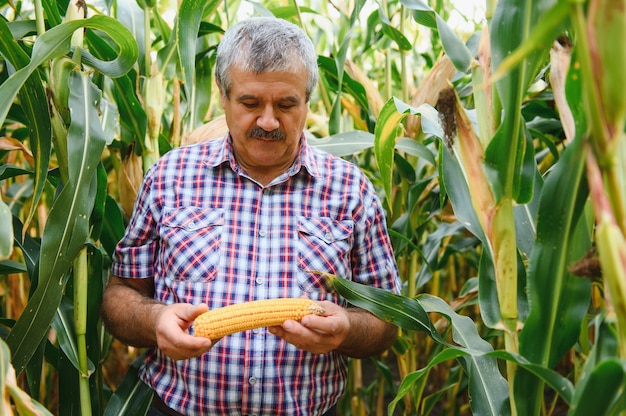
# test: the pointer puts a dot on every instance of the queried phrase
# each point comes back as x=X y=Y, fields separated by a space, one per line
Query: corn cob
x=231 y=319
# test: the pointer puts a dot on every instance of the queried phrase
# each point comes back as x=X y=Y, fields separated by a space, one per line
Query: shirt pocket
x=191 y=243
x=324 y=244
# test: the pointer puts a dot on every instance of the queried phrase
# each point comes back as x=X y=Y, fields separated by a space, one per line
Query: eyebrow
x=290 y=98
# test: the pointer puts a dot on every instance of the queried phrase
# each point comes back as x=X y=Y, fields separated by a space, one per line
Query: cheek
x=240 y=121
x=297 y=123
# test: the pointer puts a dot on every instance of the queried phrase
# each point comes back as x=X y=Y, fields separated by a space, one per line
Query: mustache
x=259 y=133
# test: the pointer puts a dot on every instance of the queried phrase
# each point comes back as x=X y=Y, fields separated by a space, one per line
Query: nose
x=267 y=120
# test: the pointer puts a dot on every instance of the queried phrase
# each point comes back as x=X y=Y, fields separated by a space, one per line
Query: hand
x=317 y=334
x=172 y=325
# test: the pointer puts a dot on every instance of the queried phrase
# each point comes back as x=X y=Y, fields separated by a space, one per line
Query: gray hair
x=265 y=44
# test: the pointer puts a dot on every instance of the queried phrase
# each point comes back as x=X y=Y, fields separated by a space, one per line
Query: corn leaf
x=132 y=116
x=34 y=103
x=64 y=327
x=558 y=300
x=511 y=152
x=329 y=68
x=488 y=389
x=67 y=228
x=386 y=132
x=455 y=182
x=392 y=33
x=6 y=233
x=560 y=384
x=29 y=246
x=344 y=144
x=15 y=400
x=455 y=48
x=132 y=396
x=190 y=13
x=56 y=42
x=598 y=391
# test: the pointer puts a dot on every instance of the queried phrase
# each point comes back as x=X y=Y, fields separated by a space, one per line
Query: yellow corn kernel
x=231 y=319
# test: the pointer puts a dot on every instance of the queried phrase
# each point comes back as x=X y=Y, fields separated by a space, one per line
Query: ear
x=223 y=99
x=222 y=96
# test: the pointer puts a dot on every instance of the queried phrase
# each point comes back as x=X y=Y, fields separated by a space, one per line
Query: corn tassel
x=218 y=323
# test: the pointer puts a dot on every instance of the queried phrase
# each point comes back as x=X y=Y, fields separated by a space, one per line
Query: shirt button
x=259 y=280
x=329 y=236
x=252 y=381
x=262 y=233
x=191 y=225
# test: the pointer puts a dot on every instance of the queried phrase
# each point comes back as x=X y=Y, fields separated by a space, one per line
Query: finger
x=187 y=347
x=325 y=324
x=193 y=311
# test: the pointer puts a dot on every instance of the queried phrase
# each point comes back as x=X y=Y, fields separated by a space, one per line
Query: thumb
x=193 y=311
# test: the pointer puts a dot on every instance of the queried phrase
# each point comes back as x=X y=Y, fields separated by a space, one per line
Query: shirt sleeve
x=373 y=261
x=135 y=253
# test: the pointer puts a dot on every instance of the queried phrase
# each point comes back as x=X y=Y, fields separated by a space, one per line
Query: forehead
x=289 y=83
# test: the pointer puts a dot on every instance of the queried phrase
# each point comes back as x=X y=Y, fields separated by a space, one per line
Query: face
x=266 y=114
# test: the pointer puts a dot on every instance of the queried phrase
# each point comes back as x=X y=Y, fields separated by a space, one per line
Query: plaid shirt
x=208 y=233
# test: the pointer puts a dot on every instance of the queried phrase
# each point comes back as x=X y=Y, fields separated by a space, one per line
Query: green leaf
x=113 y=225
x=560 y=384
x=558 y=299
x=190 y=14
x=340 y=62
x=132 y=397
x=67 y=228
x=392 y=33
x=455 y=48
x=386 y=133
x=328 y=67
x=344 y=144
x=412 y=379
x=11 y=171
x=63 y=325
x=29 y=246
x=6 y=232
x=34 y=103
x=599 y=390
x=11 y=266
x=285 y=12
x=458 y=191
x=415 y=148
x=56 y=42
x=404 y=312
x=132 y=116
x=424 y=14
x=488 y=388
x=23 y=403
x=510 y=152
x=51 y=9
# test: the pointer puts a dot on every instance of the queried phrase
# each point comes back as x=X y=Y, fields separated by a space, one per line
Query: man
x=249 y=217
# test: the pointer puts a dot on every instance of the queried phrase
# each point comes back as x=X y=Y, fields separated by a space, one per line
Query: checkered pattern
x=210 y=234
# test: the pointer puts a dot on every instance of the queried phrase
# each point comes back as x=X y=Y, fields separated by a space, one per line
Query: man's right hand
x=172 y=335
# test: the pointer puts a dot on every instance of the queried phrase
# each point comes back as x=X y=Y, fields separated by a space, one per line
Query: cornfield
x=498 y=150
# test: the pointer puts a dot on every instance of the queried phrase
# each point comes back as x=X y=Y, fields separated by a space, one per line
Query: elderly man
x=248 y=217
